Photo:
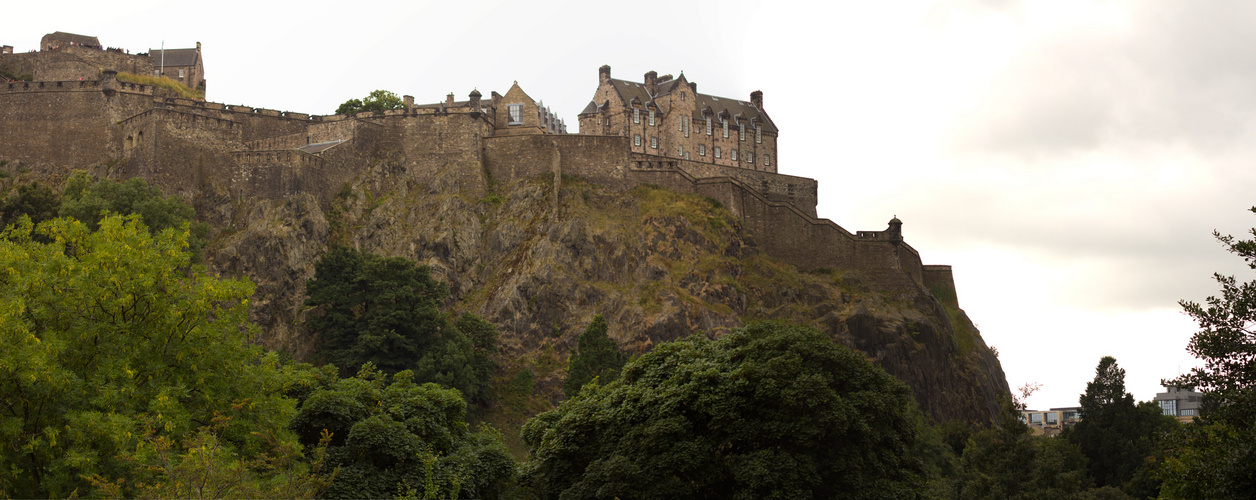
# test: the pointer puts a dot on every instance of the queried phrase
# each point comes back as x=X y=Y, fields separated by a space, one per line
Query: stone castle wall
x=216 y=150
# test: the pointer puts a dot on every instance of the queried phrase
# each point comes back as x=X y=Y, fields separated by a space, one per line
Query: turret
x=474 y=100
x=895 y=230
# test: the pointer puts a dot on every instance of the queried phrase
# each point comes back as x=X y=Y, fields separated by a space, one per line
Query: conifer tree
x=596 y=356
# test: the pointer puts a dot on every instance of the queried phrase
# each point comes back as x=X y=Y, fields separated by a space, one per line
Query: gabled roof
x=718 y=105
x=71 y=37
x=174 y=57
x=591 y=108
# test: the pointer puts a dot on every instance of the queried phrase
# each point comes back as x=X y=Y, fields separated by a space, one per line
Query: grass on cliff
x=161 y=81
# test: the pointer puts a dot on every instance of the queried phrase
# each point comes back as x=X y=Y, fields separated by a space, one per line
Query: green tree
x=767 y=411
x=88 y=200
x=386 y=311
x=107 y=338
x=1008 y=462
x=1217 y=459
x=596 y=356
x=1114 y=434
x=388 y=439
x=34 y=200
x=377 y=100
x=483 y=337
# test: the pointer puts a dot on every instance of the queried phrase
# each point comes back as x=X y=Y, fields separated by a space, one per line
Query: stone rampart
x=800 y=192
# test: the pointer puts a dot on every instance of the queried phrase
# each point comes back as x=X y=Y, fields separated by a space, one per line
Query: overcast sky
x=1070 y=159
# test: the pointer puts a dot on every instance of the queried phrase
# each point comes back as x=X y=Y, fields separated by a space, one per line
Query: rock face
x=540 y=257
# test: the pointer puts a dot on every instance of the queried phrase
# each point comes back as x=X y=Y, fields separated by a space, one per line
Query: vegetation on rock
x=377 y=100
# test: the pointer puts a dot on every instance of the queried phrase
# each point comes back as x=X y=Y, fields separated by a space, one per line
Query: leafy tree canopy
x=385 y=311
x=401 y=438
x=34 y=200
x=377 y=100
x=108 y=338
x=596 y=356
x=88 y=200
x=1217 y=459
x=768 y=411
x=1114 y=434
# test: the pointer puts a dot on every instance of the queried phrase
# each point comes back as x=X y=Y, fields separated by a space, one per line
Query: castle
x=76 y=114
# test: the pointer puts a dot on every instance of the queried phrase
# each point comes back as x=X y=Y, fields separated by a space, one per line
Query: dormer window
x=725 y=122
x=708 y=125
x=516 y=114
x=651 y=117
x=758 y=133
x=636 y=115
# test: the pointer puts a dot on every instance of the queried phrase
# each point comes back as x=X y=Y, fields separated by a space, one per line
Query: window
x=688 y=120
x=686 y=155
x=180 y=73
x=636 y=139
x=702 y=150
x=680 y=151
x=608 y=121
x=741 y=131
x=651 y=117
x=758 y=133
x=1070 y=416
x=725 y=122
x=680 y=124
x=654 y=143
x=516 y=114
x=1188 y=412
x=636 y=115
x=1051 y=416
x=789 y=190
x=732 y=154
x=767 y=160
x=1035 y=418
x=708 y=125
x=1169 y=406
x=156 y=72
x=682 y=96
x=717 y=151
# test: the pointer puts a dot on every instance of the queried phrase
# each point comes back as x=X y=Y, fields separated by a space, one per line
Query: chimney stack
x=449 y=100
x=756 y=98
x=652 y=83
x=604 y=74
x=409 y=100
x=694 y=87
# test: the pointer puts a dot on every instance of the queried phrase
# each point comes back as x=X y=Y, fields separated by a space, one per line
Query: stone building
x=58 y=39
x=181 y=65
x=517 y=113
x=667 y=116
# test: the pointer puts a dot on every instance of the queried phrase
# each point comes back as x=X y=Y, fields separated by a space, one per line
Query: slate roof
x=77 y=39
x=174 y=57
x=735 y=108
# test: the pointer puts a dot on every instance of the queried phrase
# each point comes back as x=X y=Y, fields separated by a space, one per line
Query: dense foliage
x=768 y=411
x=1116 y=435
x=1007 y=462
x=33 y=200
x=377 y=100
x=1217 y=458
x=401 y=438
x=107 y=339
x=385 y=311
x=596 y=356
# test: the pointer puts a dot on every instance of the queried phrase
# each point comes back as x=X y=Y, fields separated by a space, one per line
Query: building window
x=654 y=143
x=516 y=114
x=717 y=151
x=741 y=131
x=156 y=72
x=1050 y=416
x=636 y=139
x=682 y=96
x=180 y=73
x=702 y=150
x=767 y=160
x=651 y=117
x=1188 y=412
x=688 y=120
x=708 y=125
x=725 y=122
x=758 y=133
x=680 y=124
x=1169 y=406
x=608 y=121
x=789 y=190
x=636 y=115
x=686 y=155
x=680 y=151
x=1035 y=418
x=732 y=154
x=750 y=158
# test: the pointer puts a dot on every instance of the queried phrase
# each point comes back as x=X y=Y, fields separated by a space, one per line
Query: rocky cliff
x=539 y=257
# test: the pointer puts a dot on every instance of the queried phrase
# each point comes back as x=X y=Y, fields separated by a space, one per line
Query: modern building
x=1181 y=403
x=1051 y=422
